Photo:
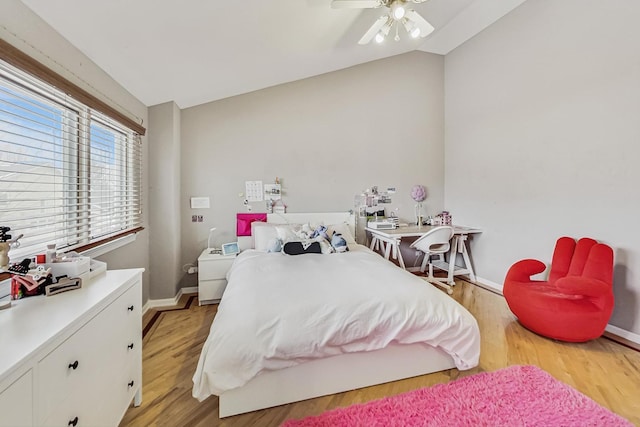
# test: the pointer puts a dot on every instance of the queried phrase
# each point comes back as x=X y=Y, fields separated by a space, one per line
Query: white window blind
x=69 y=175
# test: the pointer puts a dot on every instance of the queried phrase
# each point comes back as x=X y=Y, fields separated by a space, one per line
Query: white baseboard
x=154 y=303
x=189 y=290
x=168 y=302
x=493 y=286
x=624 y=334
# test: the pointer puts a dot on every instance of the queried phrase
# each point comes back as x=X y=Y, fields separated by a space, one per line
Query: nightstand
x=212 y=276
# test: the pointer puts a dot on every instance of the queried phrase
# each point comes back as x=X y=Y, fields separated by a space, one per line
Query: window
x=69 y=174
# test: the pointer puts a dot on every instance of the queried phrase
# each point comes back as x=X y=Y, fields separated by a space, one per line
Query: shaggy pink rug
x=514 y=396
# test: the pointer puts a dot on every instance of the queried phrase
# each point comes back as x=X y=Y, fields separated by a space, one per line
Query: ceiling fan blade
x=425 y=27
x=355 y=4
x=375 y=28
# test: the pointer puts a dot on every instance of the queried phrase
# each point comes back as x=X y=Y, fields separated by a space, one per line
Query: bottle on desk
x=51 y=254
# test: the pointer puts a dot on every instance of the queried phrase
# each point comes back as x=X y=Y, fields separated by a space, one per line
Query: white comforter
x=279 y=311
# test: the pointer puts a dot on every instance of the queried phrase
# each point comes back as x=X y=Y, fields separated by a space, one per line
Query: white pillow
x=288 y=232
x=263 y=233
x=342 y=228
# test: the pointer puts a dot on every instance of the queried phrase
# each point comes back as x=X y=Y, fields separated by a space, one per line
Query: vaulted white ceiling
x=196 y=51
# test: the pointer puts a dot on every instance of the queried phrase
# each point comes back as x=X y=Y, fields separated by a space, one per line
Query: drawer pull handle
x=130 y=384
x=73 y=422
x=130 y=308
x=130 y=346
x=74 y=366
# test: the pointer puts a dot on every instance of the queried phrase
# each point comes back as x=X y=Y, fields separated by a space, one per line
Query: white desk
x=389 y=242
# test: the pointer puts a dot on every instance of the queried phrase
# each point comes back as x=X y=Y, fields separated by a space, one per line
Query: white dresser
x=212 y=276
x=73 y=359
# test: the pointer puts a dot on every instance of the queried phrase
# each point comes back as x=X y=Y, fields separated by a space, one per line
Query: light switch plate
x=199 y=202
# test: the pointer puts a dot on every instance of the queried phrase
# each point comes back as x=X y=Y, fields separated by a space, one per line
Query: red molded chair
x=576 y=301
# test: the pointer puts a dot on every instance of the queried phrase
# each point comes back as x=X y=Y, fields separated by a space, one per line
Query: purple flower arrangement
x=418 y=193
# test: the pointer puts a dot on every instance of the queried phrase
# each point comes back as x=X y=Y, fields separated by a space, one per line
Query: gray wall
x=542 y=137
x=26 y=31
x=164 y=199
x=328 y=138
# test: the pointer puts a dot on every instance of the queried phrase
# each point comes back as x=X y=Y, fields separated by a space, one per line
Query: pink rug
x=514 y=396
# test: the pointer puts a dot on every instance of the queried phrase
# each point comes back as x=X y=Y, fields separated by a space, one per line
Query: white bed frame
x=335 y=374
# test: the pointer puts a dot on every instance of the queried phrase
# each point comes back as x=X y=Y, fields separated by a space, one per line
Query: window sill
x=94 y=250
x=110 y=246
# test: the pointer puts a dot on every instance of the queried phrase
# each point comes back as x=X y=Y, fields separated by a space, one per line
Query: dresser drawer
x=79 y=410
x=211 y=290
x=118 y=389
x=73 y=365
x=126 y=352
x=125 y=389
x=214 y=269
x=126 y=312
x=102 y=403
x=16 y=409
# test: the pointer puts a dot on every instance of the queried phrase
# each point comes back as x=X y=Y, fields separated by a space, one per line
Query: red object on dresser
x=576 y=301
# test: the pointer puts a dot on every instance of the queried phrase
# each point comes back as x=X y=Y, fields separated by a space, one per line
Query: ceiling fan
x=397 y=14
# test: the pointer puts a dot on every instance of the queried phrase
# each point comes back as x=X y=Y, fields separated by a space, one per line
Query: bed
x=290 y=328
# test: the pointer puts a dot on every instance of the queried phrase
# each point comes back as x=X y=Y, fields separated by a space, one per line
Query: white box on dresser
x=74 y=358
x=212 y=276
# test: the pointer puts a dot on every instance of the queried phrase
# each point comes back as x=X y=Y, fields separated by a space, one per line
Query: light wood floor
x=607 y=372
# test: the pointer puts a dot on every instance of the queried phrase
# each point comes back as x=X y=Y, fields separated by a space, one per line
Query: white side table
x=212 y=276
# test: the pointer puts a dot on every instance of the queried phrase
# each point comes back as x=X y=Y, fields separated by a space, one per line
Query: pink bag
x=244 y=220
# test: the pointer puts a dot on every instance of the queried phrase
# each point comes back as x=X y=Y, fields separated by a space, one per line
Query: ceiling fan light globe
x=379 y=38
x=397 y=10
